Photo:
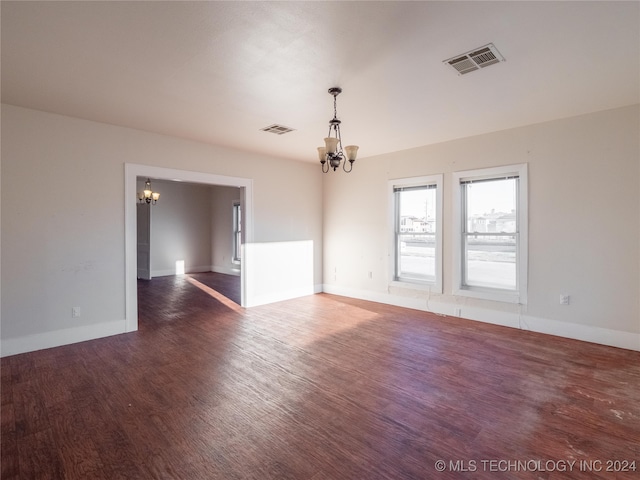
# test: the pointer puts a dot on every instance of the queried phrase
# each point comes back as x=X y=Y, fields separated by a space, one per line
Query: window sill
x=424 y=287
x=493 y=295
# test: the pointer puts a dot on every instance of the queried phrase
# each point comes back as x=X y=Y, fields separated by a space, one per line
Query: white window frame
x=236 y=256
x=496 y=294
x=437 y=180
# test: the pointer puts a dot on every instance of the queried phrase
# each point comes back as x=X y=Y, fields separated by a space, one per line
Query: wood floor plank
x=74 y=443
x=10 y=467
x=321 y=387
x=39 y=456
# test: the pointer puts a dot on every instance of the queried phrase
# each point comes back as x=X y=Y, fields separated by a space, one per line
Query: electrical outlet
x=75 y=312
x=458 y=312
x=565 y=299
x=370 y=274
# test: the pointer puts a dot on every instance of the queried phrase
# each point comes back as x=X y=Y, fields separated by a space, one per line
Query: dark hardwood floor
x=321 y=387
x=227 y=285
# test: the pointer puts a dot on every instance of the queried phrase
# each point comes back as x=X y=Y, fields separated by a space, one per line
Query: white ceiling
x=218 y=72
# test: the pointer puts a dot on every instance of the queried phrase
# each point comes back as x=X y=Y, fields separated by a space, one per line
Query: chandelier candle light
x=147 y=194
x=331 y=154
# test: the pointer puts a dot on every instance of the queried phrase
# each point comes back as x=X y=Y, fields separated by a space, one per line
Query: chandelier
x=147 y=194
x=331 y=154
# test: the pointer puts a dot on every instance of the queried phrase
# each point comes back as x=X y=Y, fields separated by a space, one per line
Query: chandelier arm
x=344 y=165
x=323 y=165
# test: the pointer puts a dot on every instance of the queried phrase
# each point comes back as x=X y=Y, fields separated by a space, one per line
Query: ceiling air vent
x=277 y=129
x=475 y=59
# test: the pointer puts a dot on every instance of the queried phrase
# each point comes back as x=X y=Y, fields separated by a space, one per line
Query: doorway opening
x=132 y=171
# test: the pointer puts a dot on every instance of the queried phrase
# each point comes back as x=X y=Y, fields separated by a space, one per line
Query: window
x=237 y=232
x=491 y=236
x=417 y=237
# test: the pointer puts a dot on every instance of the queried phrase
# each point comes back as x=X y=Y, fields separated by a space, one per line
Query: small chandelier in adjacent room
x=331 y=154
x=148 y=195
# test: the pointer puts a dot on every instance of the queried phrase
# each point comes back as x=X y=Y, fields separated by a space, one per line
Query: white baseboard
x=586 y=333
x=40 y=341
x=208 y=268
x=226 y=270
x=170 y=272
x=257 y=300
x=397 y=300
x=603 y=336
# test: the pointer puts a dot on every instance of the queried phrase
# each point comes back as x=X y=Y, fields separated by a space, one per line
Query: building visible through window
x=492 y=238
x=416 y=231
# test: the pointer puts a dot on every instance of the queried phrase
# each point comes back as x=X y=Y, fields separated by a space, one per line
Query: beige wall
x=180 y=227
x=63 y=245
x=193 y=223
x=583 y=224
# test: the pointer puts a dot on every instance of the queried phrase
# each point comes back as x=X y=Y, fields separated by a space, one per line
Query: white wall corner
x=278 y=271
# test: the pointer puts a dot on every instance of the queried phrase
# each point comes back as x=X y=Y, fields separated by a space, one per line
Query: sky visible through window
x=419 y=203
x=483 y=197
x=492 y=196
